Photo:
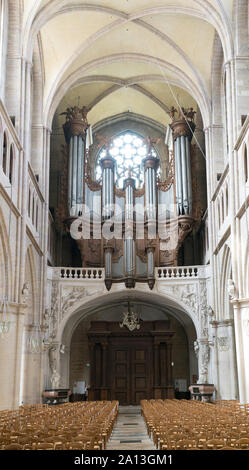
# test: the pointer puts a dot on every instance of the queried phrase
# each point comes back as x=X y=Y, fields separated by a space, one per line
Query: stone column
x=156 y=365
x=241 y=322
x=203 y=360
x=182 y=135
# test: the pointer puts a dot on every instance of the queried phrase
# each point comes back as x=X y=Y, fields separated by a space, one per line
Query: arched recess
x=226 y=274
x=85 y=308
x=6 y=287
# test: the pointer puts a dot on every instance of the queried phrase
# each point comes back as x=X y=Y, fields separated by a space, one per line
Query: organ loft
x=126 y=216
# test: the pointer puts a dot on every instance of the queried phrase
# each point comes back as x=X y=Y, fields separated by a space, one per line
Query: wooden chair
x=186 y=444
x=14 y=446
x=242 y=443
x=215 y=444
x=45 y=446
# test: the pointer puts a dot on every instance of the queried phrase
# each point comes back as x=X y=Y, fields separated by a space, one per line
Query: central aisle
x=130 y=432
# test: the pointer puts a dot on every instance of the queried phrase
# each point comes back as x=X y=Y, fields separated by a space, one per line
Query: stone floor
x=130 y=432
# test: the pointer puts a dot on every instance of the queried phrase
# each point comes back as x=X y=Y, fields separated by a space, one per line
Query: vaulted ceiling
x=127 y=55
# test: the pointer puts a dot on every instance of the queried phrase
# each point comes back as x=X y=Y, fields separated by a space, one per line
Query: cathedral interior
x=124 y=194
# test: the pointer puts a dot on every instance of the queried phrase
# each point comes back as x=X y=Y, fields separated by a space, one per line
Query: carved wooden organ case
x=128 y=231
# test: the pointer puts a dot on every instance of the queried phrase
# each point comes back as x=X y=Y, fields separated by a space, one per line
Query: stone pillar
x=203 y=353
x=241 y=322
x=156 y=365
x=108 y=165
x=182 y=135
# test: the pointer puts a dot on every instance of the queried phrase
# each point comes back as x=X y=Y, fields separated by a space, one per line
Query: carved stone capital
x=182 y=127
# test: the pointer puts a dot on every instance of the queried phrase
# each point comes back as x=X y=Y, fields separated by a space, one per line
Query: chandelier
x=131 y=320
x=4 y=317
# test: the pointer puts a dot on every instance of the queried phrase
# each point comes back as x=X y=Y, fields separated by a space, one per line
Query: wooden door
x=131 y=372
x=140 y=373
x=121 y=383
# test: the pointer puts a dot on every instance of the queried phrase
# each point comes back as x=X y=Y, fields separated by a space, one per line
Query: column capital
x=182 y=127
x=107 y=163
x=76 y=122
x=129 y=182
x=151 y=162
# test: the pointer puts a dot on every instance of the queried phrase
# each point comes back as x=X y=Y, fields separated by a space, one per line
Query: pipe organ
x=129 y=230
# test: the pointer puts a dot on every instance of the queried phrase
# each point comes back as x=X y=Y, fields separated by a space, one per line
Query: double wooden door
x=131 y=364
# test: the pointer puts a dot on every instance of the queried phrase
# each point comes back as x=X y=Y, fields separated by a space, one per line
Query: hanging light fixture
x=4 y=317
x=131 y=320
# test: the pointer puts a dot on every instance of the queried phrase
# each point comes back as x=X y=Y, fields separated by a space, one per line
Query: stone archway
x=85 y=312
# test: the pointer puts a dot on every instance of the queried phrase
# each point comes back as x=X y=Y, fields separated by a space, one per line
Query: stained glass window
x=128 y=150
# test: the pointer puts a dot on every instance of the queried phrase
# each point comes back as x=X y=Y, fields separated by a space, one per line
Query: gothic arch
x=72 y=80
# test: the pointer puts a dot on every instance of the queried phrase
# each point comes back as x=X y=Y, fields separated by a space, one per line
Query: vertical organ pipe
x=107 y=186
x=151 y=164
x=184 y=176
x=187 y=143
x=129 y=255
x=182 y=134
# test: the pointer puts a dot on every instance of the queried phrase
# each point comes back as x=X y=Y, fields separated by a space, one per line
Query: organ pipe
x=182 y=134
x=108 y=164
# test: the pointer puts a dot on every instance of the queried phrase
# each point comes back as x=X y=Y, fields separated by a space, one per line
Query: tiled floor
x=130 y=432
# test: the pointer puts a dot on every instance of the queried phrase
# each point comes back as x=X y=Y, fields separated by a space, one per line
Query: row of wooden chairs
x=184 y=424
x=82 y=425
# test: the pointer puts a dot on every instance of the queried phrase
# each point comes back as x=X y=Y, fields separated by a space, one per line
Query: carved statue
x=55 y=379
x=203 y=366
x=172 y=112
x=210 y=311
x=191 y=114
x=25 y=292
x=231 y=289
x=196 y=348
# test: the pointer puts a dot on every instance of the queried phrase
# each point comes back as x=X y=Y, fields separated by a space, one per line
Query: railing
x=179 y=272
x=81 y=273
x=182 y=272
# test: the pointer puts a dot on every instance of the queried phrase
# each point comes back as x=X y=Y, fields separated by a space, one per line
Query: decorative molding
x=224 y=343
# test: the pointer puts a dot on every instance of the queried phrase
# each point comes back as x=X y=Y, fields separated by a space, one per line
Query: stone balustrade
x=183 y=272
x=79 y=273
